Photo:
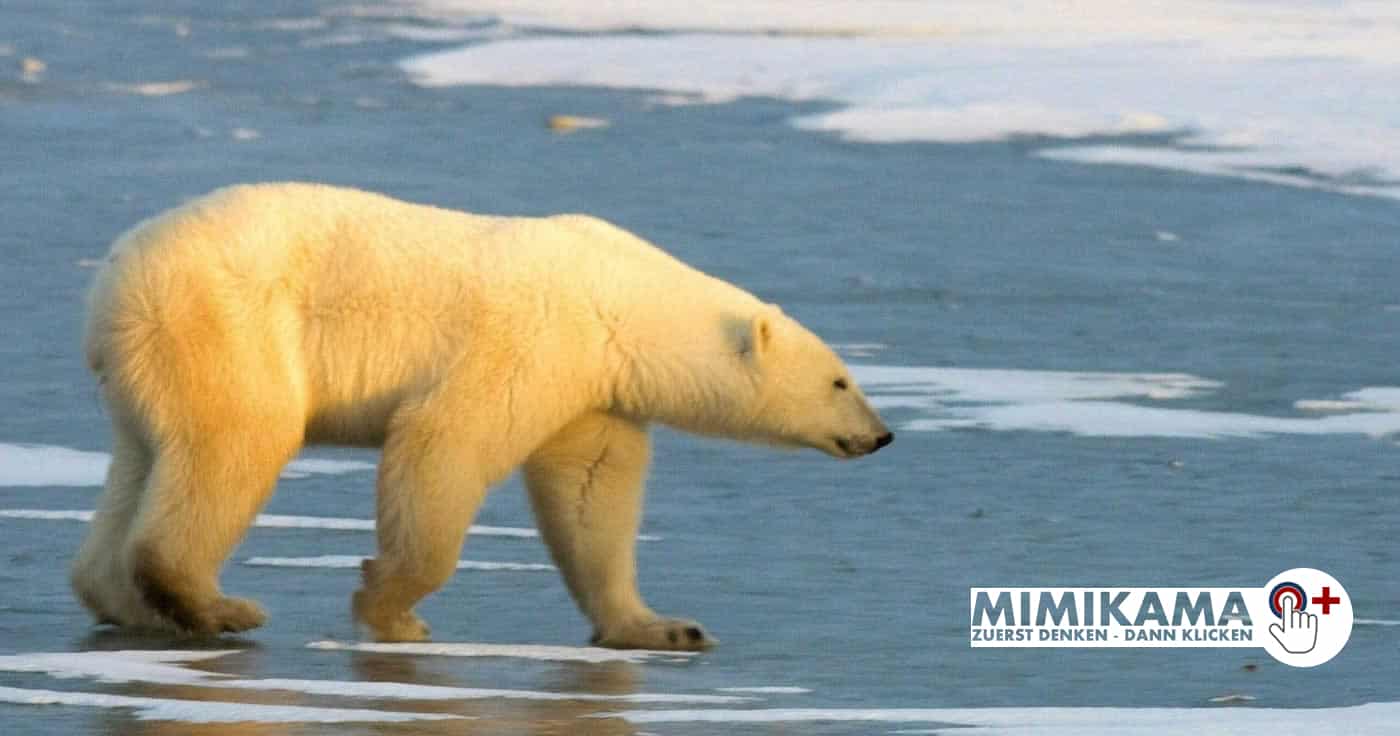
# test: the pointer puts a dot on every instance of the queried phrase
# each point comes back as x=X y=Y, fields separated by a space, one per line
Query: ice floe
x=353 y=562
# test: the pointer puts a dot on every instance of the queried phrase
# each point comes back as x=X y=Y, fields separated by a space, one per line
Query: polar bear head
x=803 y=394
x=771 y=381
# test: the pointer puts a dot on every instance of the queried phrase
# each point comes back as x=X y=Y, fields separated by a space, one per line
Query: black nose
x=884 y=439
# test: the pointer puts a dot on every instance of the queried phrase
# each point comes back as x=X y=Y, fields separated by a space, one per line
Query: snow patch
x=282 y=521
x=516 y=651
x=197 y=711
x=161 y=667
x=1096 y=404
x=1372 y=719
x=1289 y=93
x=766 y=689
x=157 y=89
x=42 y=465
x=46 y=465
x=272 y=521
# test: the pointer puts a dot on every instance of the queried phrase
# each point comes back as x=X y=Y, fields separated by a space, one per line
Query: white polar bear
x=231 y=331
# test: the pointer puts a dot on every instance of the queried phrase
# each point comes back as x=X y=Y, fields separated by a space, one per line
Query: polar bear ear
x=761 y=333
x=753 y=337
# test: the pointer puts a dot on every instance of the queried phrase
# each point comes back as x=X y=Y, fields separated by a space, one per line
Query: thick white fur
x=230 y=331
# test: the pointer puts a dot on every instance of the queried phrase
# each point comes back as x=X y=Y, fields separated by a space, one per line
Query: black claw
x=694 y=633
x=671 y=636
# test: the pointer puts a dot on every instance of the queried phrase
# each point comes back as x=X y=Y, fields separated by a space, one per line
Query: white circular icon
x=1306 y=618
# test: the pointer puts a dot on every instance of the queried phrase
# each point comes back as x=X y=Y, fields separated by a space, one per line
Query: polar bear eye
x=840 y=384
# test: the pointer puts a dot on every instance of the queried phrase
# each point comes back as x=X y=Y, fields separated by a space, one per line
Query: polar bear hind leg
x=99 y=576
x=222 y=431
x=586 y=487
x=199 y=502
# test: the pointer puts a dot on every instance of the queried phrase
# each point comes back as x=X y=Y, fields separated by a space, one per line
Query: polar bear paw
x=232 y=615
x=387 y=626
x=660 y=633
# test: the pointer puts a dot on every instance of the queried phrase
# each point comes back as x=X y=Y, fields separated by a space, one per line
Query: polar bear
x=231 y=331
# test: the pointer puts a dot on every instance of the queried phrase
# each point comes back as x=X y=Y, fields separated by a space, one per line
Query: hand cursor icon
x=1297 y=632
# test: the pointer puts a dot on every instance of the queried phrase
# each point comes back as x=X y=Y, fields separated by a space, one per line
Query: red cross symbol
x=1326 y=599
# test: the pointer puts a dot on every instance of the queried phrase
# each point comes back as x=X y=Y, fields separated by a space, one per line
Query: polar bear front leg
x=586 y=486
x=425 y=505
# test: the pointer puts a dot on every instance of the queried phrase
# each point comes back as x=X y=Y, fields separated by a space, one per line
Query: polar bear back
x=363 y=299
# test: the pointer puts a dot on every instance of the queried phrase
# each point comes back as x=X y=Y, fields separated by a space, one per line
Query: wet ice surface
x=1097 y=376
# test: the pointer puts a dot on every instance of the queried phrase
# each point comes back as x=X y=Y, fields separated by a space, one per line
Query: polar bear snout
x=852 y=447
x=859 y=430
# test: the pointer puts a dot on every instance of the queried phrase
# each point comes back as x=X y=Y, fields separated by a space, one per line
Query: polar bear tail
x=97 y=331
